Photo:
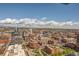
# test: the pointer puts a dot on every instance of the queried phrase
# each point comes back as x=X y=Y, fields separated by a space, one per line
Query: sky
x=57 y=12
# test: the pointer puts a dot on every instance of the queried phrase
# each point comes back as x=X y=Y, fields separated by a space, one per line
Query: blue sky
x=57 y=12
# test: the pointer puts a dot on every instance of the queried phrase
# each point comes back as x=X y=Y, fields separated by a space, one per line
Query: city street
x=15 y=50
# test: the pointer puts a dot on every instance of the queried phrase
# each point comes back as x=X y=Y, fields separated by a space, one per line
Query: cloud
x=8 y=20
x=44 y=18
x=42 y=21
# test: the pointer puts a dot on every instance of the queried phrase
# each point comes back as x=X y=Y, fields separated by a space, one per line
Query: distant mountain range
x=35 y=23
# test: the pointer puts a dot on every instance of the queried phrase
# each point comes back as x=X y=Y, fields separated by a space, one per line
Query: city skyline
x=39 y=29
